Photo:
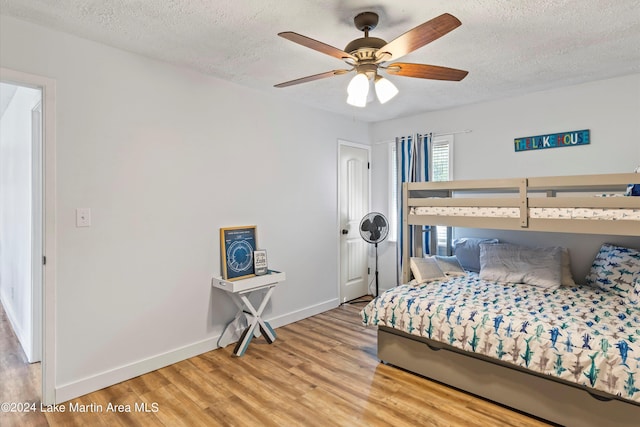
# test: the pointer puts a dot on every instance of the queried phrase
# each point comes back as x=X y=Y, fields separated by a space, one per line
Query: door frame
x=37 y=247
x=46 y=171
x=343 y=142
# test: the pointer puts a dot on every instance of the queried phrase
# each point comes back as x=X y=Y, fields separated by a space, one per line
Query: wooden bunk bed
x=527 y=202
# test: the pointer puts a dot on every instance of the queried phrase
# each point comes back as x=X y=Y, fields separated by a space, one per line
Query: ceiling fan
x=368 y=55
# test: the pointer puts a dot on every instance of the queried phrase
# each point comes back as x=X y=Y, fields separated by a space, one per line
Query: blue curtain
x=412 y=157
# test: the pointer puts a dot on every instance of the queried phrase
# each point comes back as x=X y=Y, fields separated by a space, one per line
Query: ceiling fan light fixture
x=367 y=55
x=385 y=90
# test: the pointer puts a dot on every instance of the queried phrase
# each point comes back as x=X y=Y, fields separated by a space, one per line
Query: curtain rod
x=435 y=134
x=452 y=133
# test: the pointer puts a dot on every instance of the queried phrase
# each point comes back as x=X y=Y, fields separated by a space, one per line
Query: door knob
x=345 y=231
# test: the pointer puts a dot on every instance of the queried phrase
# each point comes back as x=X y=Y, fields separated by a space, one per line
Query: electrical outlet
x=83 y=217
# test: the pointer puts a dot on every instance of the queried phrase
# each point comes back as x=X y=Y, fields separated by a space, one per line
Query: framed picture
x=236 y=251
x=260 y=262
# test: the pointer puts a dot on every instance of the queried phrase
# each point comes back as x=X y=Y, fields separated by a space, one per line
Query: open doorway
x=27 y=139
x=21 y=214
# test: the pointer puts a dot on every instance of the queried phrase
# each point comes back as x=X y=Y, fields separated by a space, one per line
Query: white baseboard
x=87 y=385
x=295 y=316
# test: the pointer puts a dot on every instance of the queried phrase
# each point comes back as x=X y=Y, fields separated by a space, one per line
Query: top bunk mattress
x=581 y=334
x=511 y=212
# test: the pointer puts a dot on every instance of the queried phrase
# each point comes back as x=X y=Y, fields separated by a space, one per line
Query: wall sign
x=553 y=140
x=260 y=262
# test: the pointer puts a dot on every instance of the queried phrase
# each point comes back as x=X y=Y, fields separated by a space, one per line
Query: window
x=441 y=148
x=441 y=170
x=441 y=161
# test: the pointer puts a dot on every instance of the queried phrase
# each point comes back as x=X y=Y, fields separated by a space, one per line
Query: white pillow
x=450 y=265
x=426 y=270
x=567 y=277
x=503 y=262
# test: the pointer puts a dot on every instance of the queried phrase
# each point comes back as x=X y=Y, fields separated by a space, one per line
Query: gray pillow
x=467 y=251
x=504 y=262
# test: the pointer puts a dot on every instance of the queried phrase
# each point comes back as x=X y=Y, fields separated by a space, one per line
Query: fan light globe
x=358 y=90
x=359 y=85
x=385 y=90
x=357 y=101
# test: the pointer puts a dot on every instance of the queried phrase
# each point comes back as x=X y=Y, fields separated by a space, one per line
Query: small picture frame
x=260 y=262
x=237 y=245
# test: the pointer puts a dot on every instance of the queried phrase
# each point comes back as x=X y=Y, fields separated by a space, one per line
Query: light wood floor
x=321 y=371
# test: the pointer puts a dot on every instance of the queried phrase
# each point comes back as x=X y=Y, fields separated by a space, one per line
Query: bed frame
x=521 y=193
x=552 y=399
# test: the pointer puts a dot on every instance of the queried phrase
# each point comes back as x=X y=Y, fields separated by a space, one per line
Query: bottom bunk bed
x=569 y=354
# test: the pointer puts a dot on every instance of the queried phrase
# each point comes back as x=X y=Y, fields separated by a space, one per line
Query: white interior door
x=353 y=185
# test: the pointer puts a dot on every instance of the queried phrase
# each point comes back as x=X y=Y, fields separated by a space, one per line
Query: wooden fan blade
x=312 y=78
x=316 y=45
x=418 y=37
x=424 y=71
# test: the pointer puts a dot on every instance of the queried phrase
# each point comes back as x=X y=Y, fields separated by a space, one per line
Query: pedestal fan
x=374 y=228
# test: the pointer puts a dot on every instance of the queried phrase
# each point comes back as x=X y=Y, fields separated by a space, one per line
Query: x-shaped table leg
x=254 y=320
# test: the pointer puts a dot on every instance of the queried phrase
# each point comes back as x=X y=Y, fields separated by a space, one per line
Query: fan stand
x=376 y=246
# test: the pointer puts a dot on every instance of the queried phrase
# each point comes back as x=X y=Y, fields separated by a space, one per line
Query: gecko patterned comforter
x=581 y=334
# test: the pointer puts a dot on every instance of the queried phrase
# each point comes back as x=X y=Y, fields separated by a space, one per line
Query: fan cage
x=374 y=227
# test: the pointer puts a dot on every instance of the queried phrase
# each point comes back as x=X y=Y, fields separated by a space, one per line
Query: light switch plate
x=83 y=217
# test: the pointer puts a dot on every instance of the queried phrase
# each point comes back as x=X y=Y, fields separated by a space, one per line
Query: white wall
x=380 y=187
x=16 y=212
x=609 y=108
x=164 y=157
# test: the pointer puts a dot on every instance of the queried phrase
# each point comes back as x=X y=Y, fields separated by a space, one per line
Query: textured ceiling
x=508 y=47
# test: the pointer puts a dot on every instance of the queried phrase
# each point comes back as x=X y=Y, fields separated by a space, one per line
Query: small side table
x=239 y=291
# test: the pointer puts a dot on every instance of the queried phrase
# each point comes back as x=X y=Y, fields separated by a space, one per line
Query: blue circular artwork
x=239 y=256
